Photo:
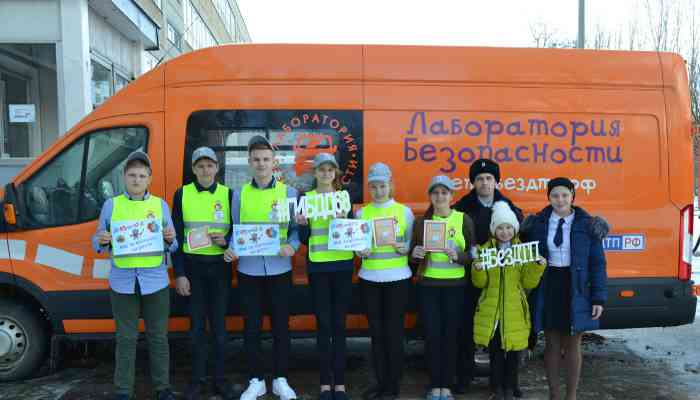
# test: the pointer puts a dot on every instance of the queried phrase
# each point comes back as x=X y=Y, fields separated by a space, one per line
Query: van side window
x=298 y=136
x=72 y=187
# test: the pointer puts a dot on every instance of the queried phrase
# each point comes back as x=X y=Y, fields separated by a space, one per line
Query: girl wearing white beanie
x=502 y=320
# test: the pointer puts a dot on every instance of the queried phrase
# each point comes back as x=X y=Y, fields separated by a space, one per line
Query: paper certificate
x=137 y=237
x=384 y=230
x=434 y=235
x=349 y=234
x=256 y=240
x=199 y=238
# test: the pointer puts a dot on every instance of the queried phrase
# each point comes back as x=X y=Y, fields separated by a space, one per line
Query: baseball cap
x=441 y=180
x=203 y=152
x=138 y=155
x=379 y=172
x=325 y=158
x=258 y=139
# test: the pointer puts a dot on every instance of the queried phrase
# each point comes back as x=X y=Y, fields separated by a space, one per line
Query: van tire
x=23 y=341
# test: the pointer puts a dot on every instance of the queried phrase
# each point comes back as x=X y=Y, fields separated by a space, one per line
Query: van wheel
x=22 y=341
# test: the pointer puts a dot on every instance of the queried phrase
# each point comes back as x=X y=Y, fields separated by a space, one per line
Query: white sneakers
x=256 y=388
x=281 y=388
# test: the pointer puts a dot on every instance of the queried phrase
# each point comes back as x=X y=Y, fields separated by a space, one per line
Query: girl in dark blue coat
x=570 y=297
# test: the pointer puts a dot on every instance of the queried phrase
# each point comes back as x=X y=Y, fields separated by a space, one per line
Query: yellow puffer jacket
x=503 y=301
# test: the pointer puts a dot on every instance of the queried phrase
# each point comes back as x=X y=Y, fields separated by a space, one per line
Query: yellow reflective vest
x=263 y=206
x=123 y=210
x=438 y=265
x=204 y=208
x=386 y=257
x=318 y=241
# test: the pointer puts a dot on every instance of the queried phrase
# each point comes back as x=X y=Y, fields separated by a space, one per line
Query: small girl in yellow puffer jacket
x=502 y=319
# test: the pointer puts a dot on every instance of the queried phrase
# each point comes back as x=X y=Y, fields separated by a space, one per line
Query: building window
x=101 y=83
x=197 y=33
x=106 y=81
x=223 y=7
x=174 y=37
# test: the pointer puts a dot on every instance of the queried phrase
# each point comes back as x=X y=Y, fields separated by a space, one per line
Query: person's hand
x=218 y=238
x=401 y=248
x=418 y=252
x=451 y=254
x=286 y=250
x=542 y=261
x=478 y=265
x=230 y=255
x=182 y=286
x=104 y=238
x=597 y=312
x=301 y=219
x=364 y=253
x=169 y=234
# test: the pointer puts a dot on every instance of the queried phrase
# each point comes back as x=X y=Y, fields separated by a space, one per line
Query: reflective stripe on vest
x=438 y=263
x=386 y=257
x=262 y=206
x=133 y=210
x=318 y=241
x=200 y=209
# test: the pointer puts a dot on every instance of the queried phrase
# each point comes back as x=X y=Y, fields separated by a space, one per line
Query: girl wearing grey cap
x=569 y=300
x=441 y=279
x=330 y=278
x=385 y=278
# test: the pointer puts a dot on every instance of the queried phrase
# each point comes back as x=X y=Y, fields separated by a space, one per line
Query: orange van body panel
x=640 y=100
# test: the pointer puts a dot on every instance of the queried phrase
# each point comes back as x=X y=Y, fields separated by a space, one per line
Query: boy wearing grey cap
x=201 y=210
x=138 y=282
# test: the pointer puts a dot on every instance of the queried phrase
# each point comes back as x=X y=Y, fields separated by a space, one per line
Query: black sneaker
x=165 y=394
x=194 y=390
x=517 y=392
x=225 y=390
x=325 y=395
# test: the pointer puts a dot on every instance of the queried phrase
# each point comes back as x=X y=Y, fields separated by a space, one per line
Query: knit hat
x=502 y=214
x=561 y=181
x=484 y=166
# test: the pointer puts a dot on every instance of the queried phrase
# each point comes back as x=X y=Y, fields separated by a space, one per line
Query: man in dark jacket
x=484 y=174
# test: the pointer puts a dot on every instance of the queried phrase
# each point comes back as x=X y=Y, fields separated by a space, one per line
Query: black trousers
x=210 y=284
x=441 y=311
x=504 y=364
x=465 y=335
x=331 y=293
x=386 y=311
x=256 y=292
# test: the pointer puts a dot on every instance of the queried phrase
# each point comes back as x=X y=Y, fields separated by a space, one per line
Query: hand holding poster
x=320 y=205
x=515 y=254
x=137 y=237
x=349 y=234
x=256 y=240
x=434 y=235
x=384 y=231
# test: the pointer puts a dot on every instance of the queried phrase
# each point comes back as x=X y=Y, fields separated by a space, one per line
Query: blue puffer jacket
x=588 y=270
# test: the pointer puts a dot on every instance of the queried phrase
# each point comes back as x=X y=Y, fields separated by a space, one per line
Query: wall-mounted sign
x=22 y=113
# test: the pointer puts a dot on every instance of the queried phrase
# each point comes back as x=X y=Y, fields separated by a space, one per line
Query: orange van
x=618 y=123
